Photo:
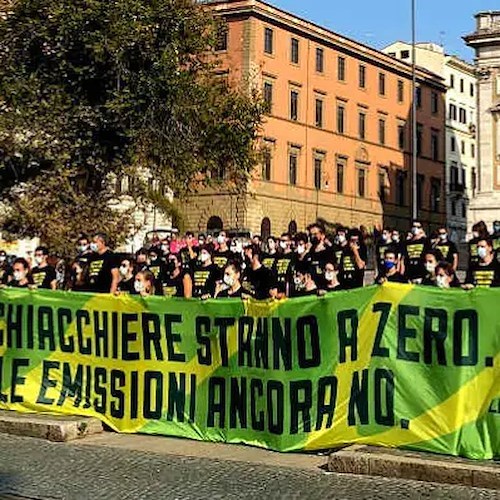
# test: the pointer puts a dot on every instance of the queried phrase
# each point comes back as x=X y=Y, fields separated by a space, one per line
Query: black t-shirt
x=380 y=249
x=338 y=250
x=473 y=257
x=127 y=286
x=174 y=287
x=5 y=272
x=99 y=274
x=220 y=259
x=205 y=279
x=43 y=276
x=392 y=278
x=258 y=282
x=414 y=258
x=158 y=269
x=350 y=275
x=448 y=250
x=305 y=293
x=224 y=294
x=269 y=259
x=318 y=260
x=188 y=263
x=283 y=270
x=16 y=284
x=484 y=276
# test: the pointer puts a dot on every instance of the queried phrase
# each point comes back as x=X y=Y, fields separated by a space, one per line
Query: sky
x=380 y=22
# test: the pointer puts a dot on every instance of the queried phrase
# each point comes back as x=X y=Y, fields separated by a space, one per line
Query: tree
x=91 y=90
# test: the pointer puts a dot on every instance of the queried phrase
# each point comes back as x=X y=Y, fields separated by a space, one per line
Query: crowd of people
x=308 y=263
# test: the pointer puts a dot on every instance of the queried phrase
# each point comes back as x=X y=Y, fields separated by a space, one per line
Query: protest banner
x=395 y=365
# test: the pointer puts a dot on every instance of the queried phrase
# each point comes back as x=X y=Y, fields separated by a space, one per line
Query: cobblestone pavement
x=31 y=468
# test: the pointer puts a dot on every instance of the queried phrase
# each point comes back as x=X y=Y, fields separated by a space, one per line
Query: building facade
x=486 y=42
x=461 y=128
x=337 y=138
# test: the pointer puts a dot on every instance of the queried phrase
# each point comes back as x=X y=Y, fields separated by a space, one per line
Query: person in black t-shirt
x=446 y=276
x=126 y=270
x=447 y=248
x=321 y=252
x=156 y=266
x=79 y=273
x=390 y=273
x=486 y=272
x=331 y=278
x=269 y=258
x=283 y=266
x=258 y=281
x=231 y=286
x=144 y=284
x=5 y=269
x=381 y=246
x=43 y=275
x=103 y=267
x=222 y=255
x=177 y=281
x=479 y=231
x=21 y=277
x=304 y=284
x=205 y=275
x=353 y=262
x=414 y=251
x=432 y=258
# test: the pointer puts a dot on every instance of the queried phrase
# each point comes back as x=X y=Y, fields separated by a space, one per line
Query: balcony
x=456 y=187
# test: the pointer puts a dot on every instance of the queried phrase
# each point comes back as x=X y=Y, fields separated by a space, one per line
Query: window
x=266 y=165
x=401 y=136
x=362 y=125
x=318 y=165
x=461 y=85
x=473 y=179
x=420 y=190
x=464 y=210
x=400 y=187
x=268 y=96
x=222 y=37
x=453 y=112
x=473 y=150
x=452 y=81
x=293 y=160
x=381 y=130
x=294 y=51
x=320 y=60
x=434 y=102
x=462 y=115
x=418 y=97
x=381 y=83
x=472 y=90
x=435 y=194
x=341 y=118
x=454 y=181
x=383 y=189
x=361 y=182
x=319 y=113
x=453 y=144
x=435 y=146
x=268 y=41
x=341 y=69
x=419 y=139
x=462 y=148
x=294 y=105
x=453 y=208
x=362 y=76
x=340 y=177
x=401 y=91
x=405 y=54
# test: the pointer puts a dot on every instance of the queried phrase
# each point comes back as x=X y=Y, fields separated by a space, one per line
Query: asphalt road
x=32 y=468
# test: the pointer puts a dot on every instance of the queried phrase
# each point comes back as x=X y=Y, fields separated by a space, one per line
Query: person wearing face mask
x=126 y=270
x=258 y=281
x=165 y=249
x=283 y=266
x=5 y=269
x=390 y=273
x=331 y=280
x=177 y=281
x=446 y=276
x=103 y=275
x=414 y=252
x=353 y=262
x=447 y=248
x=21 y=277
x=78 y=276
x=144 y=284
x=156 y=266
x=383 y=243
x=43 y=275
x=431 y=259
x=320 y=253
x=302 y=253
x=237 y=250
x=304 y=284
x=486 y=272
x=189 y=252
x=141 y=259
x=223 y=254
x=479 y=231
x=206 y=274
x=231 y=284
x=269 y=258
x=341 y=243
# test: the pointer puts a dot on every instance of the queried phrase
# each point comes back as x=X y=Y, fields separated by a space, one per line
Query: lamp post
x=414 y=176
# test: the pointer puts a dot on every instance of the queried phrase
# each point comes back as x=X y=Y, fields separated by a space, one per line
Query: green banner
x=396 y=365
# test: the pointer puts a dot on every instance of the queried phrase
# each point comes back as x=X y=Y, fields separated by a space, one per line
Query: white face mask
x=138 y=286
x=475 y=234
x=38 y=260
x=395 y=238
x=329 y=275
x=283 y=245
x=123 y=271
x=204 y=257
x=94 y=247
x=221 y=239
x=342 y=239
x=301 y=249
x=442 y=282
x=443 y=237
x=385 y=236
x=430 y=267
x=83 y=248
x=19 y=275
x=415 y=230
x=229 y=280
x=2 y=258
x=482 y=252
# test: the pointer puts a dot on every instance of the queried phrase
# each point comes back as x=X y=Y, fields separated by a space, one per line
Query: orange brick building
x=338 y=134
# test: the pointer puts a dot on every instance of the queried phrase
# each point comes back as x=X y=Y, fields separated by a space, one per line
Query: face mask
x=443 y=237
x=283 y=245
x=442 y=282
x=221 y=240
x=301 y=249
x=395 y=238
x=19 y=275
x=123 y=271
x=329 y=275
x=482 y=252
x=2 y=258
x=152 y=259
x=228 y=280
x=38 y=260
x=139 y=286
x=430 y=267
x=342 y=239
x=415 y=230
x=475 y=234
x=94 y=247
x=389 y=264
x=496 y=228
x=83 y=248
x=204 y=257
x=165 y=248
x=385 y=237
x=314 y=240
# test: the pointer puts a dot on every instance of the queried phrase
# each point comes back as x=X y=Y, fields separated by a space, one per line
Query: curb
x=374 y=461
x=48 y=426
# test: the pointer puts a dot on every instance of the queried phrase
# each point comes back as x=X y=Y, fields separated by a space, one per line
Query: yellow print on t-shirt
x=200 y=278
x=484 y=278
x=95 y=267
x=38 y=278
x=415 y=251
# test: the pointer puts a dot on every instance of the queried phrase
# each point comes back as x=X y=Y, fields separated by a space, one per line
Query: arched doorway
x=265 y=228
x=214 y=224
x=292 y=227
